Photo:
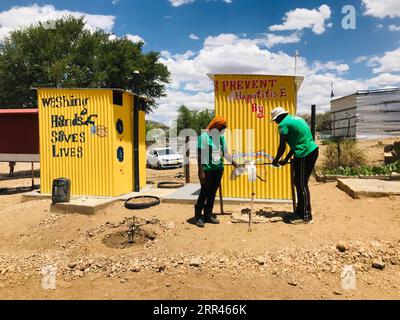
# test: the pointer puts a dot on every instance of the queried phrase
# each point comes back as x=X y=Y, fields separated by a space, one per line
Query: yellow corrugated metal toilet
x=246 y=101
x=95 y=138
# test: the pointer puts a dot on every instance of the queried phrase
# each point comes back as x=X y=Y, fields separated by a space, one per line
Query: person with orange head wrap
x=212 y=150
x=217 y=123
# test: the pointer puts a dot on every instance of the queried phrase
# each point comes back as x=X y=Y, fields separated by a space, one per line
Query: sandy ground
x=173 y=259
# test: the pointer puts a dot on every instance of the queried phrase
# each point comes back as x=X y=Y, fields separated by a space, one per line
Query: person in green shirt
x=295 y=132
x=211 y=152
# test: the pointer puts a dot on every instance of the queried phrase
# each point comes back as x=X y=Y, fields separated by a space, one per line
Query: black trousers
x=208 y=192
x=303 y=167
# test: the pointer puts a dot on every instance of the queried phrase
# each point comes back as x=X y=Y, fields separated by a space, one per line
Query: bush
x=365 y=170
x=344 y=154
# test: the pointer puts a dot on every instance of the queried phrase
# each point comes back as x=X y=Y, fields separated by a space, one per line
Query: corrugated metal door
x=123 y=148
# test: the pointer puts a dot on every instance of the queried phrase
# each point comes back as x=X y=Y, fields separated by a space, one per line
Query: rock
x=79 y=273
x=337 y=293
x=343 y=246
x=161 y=268
x=4 y=271
x=195 y=262
x=378 y=264
x=293 y=283
x=71 y=265
x=83 y=266
x=168 y=285
x=170 y=225
x=260 y=260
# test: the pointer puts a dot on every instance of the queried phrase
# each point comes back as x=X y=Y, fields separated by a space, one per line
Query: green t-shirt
x=212 y=151
x=299 y=136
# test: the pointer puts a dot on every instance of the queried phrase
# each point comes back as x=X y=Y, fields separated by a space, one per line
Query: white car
x=162 y=158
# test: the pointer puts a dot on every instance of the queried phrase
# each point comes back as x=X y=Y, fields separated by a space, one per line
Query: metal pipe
x=135 y=131
x=187 y=159
x=313 y=120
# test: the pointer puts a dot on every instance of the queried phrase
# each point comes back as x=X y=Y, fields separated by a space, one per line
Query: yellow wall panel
x=246 y=102
x=79 y=141
x=142 y=150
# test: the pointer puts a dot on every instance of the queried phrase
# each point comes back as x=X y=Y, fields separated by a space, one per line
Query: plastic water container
x=252 y=172
x=61 y=190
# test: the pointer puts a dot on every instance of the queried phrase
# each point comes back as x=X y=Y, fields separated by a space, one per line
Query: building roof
x=366 y=92
x=18 y=111
x=141 y=97
x=76 y=88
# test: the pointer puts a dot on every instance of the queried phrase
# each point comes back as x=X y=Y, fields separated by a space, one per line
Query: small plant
x=365 y=170
x=344 y=154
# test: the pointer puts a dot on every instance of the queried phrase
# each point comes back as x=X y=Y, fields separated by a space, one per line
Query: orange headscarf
x=217 y=123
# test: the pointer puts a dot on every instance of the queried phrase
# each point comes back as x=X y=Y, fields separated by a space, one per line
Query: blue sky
x=249 y=36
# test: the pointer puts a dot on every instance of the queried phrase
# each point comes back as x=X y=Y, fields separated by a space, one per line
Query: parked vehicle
x=163 y=158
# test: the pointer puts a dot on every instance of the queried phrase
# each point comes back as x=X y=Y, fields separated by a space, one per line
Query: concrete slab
x=189 y=193
x=84 y=205
x=91 y=204
x=358 y=188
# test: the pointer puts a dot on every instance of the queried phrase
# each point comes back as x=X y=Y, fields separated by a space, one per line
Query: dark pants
x=303 y=167
x=207 y=193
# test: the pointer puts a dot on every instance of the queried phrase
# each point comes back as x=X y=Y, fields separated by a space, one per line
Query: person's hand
x=283 y=163
x=236 y=165
x=202 y=177
x=275 y=163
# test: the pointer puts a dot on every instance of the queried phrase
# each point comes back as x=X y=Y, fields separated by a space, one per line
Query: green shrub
x=345 y=154
x=365 y=170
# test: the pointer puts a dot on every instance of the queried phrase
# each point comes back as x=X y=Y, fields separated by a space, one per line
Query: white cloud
x=114 y=2
x=194 y=37
x=25 y=16
x=301 y=18
x=178 y=3
x=361 y=59
x=389 y=62
x=382 y=8
x=394 y=28
x=330 y=66
x=134 y=38
x=229 y=53
x=273 y=39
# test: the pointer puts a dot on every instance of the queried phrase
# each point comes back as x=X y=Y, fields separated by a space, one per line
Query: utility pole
x=297 y=55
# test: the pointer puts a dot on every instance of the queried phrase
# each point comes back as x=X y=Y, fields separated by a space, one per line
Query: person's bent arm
x=287 y=159
x=281 y=150
x=229 y=158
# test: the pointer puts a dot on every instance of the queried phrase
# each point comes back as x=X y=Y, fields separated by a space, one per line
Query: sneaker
x=200 y=223
x=301 y=221
x=212 y=220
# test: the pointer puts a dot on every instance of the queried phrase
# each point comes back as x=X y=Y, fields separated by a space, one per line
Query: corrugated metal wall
x=142 y=150
x=378 y=114
x=366 y=114
x=268 y=93
x=87 y=153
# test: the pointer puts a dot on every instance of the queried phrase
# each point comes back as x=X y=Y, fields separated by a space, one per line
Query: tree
x=185 y=119
x=193 y=119
x=322 y=121
x=72 y=56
